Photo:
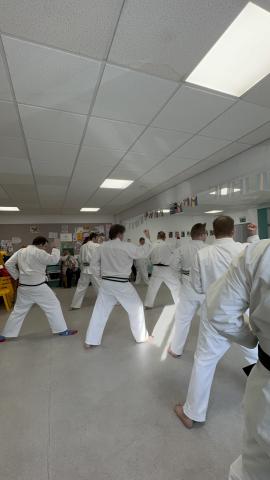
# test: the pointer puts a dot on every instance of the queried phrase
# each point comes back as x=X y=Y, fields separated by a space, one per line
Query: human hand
x=146 y=233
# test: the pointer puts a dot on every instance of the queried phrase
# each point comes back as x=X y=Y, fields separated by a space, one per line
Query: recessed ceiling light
x=116 y=183
x=166 y=210
x=224 y=191
x=89 y=209
x=213 y=193
x=214 y=211
x=240 y=57
x=9 y=209
x=237 y=190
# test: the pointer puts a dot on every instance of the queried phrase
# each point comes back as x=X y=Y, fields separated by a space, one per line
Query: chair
x=6 y=283
x=5 y=293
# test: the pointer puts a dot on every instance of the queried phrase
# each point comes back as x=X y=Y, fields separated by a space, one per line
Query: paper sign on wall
x=16 y=240
x=66 y=237
x=53 y=235
x=64 y=228
x=34 y=228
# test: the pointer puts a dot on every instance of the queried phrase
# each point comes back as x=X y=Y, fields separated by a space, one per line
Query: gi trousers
x=162 y=275
x=188 y=304
x=254 y=464
x=142 y=272
x=82 y=287
x=211 y=347
x=46 y=299
x=111 y=293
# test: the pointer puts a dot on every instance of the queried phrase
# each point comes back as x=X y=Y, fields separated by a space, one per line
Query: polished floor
x=71 y=414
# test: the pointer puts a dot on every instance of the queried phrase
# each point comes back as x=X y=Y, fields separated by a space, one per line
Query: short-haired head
x=142 y=241
x=117 y=231
x=198 y=231
x=93 y=236
x=223 y=226
x=40 y=241
x=161 y=235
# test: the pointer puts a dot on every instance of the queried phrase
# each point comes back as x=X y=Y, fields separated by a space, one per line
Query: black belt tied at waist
x=160 y=265
x=116 y=279
x=86 y=264
x=27 y=285
x=264 y=358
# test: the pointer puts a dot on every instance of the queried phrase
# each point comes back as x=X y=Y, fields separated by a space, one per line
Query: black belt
x=86 y=264
x=26 y=285
x=264 y=358
x=116 y=279
x=160 y=265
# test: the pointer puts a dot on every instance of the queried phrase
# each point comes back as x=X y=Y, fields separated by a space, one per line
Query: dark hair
x=197 y=230
x=93 y=235
x=86 y=240
x=223 y=226
x=40 y=241
x=115 y=230
x=141 y=238
x=161 y=235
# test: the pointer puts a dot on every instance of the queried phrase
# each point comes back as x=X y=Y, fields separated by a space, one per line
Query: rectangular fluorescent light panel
x=9 y=209
x=240 y=58
x=214 y=211
x=115 y=183
x=166 y=210
x=89 y=209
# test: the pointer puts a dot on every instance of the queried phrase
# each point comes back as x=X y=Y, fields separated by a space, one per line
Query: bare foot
x=187 y=422
x=90 y=347
x=174 y=355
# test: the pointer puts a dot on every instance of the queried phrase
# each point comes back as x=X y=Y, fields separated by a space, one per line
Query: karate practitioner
x=142 y=267
x=162 y=272
x=112 y=262
x=86 y=253
x=247 y=284
x=29 y=266
x=189 y=300
x=210 y=264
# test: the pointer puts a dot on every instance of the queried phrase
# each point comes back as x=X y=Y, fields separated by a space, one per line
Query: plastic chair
x=5 y=292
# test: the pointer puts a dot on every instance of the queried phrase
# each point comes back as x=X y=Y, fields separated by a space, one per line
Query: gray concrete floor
x=71 y=414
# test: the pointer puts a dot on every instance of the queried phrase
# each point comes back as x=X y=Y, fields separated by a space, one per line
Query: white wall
x=181 y=222
x=21 y=218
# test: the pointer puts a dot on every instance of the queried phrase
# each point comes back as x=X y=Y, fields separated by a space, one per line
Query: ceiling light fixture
x=166 y=210
x=89 y=209
x=212 y=193
x=214 y=211
x=116 y=183
x=9 y=209
x=240 y=57
x=235 y=190
x=224 y=191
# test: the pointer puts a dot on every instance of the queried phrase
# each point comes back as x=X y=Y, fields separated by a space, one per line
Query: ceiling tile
x=131 y=96
x=52 y=125
x=12 y=147
x=19 y=166
x=47 y=77
x=259 y=135
x=5 y=92
x=137 y=163
x=240 y=119
x=168 y=38
x=82 y=27
x=159 y=142
x=260 y=93
x=3 y=195
x=102 y=133
x=46 y=180
x=17 y=179
x=101 y=197
x=224 y=154
x=125 y=173
x=52 y=158
x=190 y=109
x=201 y=147
x=96 y=157
x=9 y=122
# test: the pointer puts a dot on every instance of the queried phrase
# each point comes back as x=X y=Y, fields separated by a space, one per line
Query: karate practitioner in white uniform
x=189 y=300
x=210 y=264
x=247 y=284
x=86 y=253
x=112 y=262
x=29 y=266
x=162 y=272
x=142 y=267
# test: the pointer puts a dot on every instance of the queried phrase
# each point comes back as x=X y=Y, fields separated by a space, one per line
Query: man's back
x=161 y=253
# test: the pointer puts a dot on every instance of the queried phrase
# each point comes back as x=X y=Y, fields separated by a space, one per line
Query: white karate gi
x=142 y=270
x=86 y=253
x=189 y=300
x=162 y=254
x=29 y=266
x=114 y=260
x=247 y=284
x=210 y=264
